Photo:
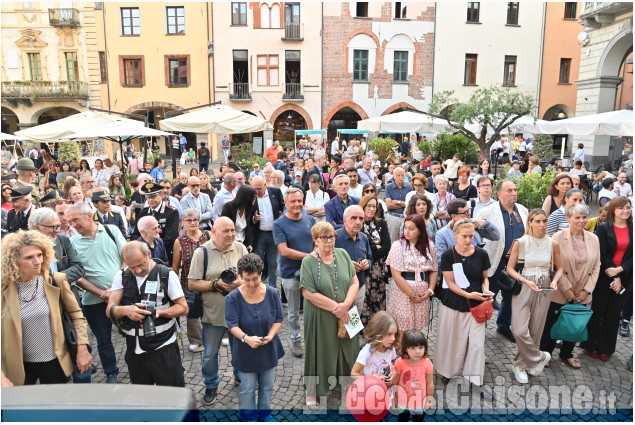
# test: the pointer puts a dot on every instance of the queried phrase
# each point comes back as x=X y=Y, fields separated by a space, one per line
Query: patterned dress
x=405 y=257
x=377 y=232
x=188 y=246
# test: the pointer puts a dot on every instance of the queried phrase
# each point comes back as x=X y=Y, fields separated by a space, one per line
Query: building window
x=360 y=65
x=130 y=21
x=102 y=68
x=400 y=71
x=240 y=75
x=470 y=69
x=72 y=66
x=268 y=70
x=239 y=13
x=509 y=79
x=512 y=13
x=361 y=9
x=292 y=71
x=132 y=71
x=473 y=8
x=401 y=9
x=28 y=5
x=565 y=70
x=176 y=19
x=35 y=66
x=99 y=5
x=178 y=71
x=570 y=10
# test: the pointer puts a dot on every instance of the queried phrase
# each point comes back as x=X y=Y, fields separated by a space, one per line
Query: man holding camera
x=211 y=273
x=145 y=300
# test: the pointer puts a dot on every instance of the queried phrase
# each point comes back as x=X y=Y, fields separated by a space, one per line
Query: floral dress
x=405 y=257
x=188 y=246
x=377 y=232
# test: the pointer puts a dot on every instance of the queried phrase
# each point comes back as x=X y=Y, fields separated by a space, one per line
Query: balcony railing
x=293 y=32
x=64 y=17
x=239 y=91
x=34 y=90
x=293 y=91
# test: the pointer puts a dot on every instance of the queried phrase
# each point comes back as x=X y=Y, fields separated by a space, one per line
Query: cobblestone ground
x=597 y=391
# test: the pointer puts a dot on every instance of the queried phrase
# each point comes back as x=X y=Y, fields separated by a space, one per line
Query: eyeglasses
x=369 y=191
x=417 y=185
x=327 y=238
x=485 y=185
x=55 y=227
x=191 y=220
x=90 y=181
x=155 y=228
x=371 y=207
x=195 y=185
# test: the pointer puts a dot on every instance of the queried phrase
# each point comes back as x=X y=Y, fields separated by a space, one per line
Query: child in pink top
x=414 y=383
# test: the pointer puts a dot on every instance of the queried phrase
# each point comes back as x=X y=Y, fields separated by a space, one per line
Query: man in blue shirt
x=351 y=239
x=182 y=142
x=157 y=172
x=292 y=236
x=334 y=208
x=396 y=201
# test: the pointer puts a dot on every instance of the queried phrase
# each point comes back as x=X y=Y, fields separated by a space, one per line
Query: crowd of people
x=125 y=246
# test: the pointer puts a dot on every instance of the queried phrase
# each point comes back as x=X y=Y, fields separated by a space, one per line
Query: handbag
x=481 y=312
x=194 y=299
x=342 y=333
x=572 y=323
x=505 y=281
x=70 y=334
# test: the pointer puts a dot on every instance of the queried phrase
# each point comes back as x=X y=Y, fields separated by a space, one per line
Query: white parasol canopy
x=215 y=119
x=118 y=131
x=5 y=136
x=521 y=125
x=404 y=122
x=615 y=123
x=51 y=132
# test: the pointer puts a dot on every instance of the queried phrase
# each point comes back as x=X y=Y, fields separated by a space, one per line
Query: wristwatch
x=413 y=296
x=243 y=338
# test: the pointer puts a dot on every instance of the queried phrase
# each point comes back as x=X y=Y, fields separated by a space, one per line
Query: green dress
x=326 y=354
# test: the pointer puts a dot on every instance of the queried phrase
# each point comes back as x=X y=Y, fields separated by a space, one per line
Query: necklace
x=319 y=282
x=37 y=284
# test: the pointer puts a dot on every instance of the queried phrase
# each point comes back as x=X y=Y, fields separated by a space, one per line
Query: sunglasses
x=369 y=191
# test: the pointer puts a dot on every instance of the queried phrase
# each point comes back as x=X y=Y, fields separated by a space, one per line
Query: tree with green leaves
x=493 y=107
x=69 y=151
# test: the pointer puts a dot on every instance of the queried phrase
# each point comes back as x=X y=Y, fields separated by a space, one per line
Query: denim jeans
x=212 y=336
x=101 y=326
x=292 y=289
x=226 y=154
x=504 y=320
x=268 y=251
x=249 y=410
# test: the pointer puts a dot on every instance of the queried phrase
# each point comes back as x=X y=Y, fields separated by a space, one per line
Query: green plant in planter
x=532 y=190
x=446 y=145
x=543 y=147
x=69 y=151
x=382 y=147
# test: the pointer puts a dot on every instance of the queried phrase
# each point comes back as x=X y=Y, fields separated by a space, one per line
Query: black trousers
x=47 y=372
x=603 y=326
x=159 y=367
x=547 y=343
x=405 y=417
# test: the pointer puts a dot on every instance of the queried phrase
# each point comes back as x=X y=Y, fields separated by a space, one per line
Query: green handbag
x=572 y=323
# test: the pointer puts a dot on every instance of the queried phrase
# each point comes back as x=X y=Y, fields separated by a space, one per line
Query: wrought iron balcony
x=293 y=91
x=239 y=91
x=35 y=90
x=293 y=32
x=65 y=17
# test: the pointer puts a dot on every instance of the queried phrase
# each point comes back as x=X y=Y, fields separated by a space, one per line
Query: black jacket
x=168 y=219
x=67 y=260
x=608 y=246
x=382 y=252
x=230 y=211
x=15 y=222
x=277 y=202
x=112 y=218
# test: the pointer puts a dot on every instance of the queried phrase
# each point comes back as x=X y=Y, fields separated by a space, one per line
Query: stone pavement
x=597 y=391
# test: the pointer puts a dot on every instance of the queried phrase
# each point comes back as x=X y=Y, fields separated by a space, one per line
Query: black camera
x=148 y=321
x=228 y=276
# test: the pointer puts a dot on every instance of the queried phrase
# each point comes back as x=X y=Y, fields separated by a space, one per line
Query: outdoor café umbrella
x=404 y=122
x=5 y=136
x=215 y=119
x=615 y=123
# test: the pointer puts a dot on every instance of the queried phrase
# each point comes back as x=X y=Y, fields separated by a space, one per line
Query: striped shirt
x=37 y=337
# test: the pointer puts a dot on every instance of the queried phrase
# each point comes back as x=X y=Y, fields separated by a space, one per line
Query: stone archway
x=52 y=114
x=354 y=106
x=10 y=121
x=398 y=107
x=296 y=108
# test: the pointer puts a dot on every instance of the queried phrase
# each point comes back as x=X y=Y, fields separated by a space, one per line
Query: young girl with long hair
x=378 y=355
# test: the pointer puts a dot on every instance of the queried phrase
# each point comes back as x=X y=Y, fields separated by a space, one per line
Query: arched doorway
x=346 y=117
x=10 y=121
x=559 y=112
x=285 y=125
x=55 y=114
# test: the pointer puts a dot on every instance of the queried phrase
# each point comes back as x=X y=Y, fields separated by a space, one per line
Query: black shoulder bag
x=194 y=298
x=70 y=334
x=505 y=282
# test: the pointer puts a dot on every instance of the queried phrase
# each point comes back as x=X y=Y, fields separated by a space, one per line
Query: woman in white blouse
x=315 y=198
x=100 y=174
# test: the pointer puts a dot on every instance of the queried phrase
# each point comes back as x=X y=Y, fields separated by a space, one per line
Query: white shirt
x=335 y=148
x=624 y=190
x=316 y=200
x=266 y=212
x=174 y=292
x=219 y=200
x=241 y=224
x=357 y=192
x=579 y=154
x=605 y=193
x=577 y=172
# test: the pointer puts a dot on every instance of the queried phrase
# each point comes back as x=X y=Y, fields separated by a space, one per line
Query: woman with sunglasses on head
x=184 y=248
x=376 y=229
x=371 y=189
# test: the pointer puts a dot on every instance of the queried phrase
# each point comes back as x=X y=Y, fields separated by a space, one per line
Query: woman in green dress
x=329 y=284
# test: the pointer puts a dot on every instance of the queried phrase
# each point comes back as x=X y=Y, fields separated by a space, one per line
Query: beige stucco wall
x=491 y=39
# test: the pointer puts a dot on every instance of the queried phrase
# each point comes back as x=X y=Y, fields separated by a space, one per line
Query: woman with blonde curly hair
x=33 y=343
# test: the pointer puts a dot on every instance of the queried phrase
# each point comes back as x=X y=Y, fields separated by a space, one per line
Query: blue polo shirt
x=396 y=194
x=513 y=231
x=297 y=235
x=357 y=249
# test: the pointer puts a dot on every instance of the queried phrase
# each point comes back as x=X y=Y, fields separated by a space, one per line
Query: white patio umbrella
x=615 y=123
x=521 y=125
x=51 y=132
x=5 y=136
x=404 y=122
x=118 y=131
x=215 y=119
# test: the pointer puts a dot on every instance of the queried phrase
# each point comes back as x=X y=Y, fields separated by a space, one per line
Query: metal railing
x=293 y=91
x=44 y=89
x=293 y=32
x=64 y=17
x=239 y=91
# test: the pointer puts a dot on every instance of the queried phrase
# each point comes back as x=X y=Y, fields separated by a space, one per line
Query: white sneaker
x=192 y=347
x=537 y=370
x=520 y=375
x=225 y=341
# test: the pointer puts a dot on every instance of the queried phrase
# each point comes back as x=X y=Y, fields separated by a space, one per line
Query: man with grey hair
x=151 y=359
x=355 y=242
x=292 y=235
x=151 y=236
x=334 y=208
x=199 y=200
x=267 y=171
x=177 y=192
x=98 y=247
x=395 y=198
x=226 y=194
x=87 y=183
x=240 y=179
x=18 y=217
x=138 y=198
x=277 y=181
